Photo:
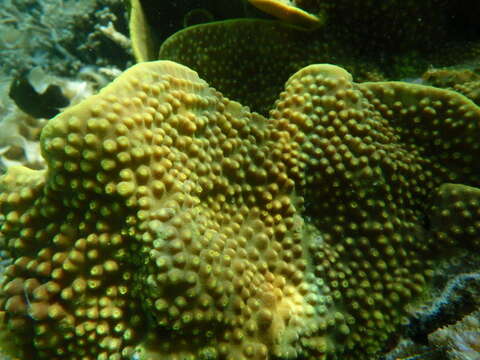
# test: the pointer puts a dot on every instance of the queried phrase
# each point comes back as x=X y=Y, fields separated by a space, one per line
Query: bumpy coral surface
x=463 y=80
x=249 y=60
x=173 y=223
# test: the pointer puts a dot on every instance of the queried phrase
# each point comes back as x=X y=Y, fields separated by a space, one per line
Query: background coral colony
x=262 y=179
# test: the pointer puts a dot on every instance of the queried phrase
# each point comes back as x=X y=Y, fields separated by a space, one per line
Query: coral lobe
x=174 y=223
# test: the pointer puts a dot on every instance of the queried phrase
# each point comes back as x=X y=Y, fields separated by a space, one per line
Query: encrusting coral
x=174 y=223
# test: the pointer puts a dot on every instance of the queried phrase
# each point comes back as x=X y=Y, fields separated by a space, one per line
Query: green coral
x=175 y=223
x=250 y=59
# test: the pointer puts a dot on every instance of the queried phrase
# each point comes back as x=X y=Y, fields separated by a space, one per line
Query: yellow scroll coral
x=174 y=223
x=143 y=41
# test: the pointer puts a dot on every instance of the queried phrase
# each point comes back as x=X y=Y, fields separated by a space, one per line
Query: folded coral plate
x=174 y=223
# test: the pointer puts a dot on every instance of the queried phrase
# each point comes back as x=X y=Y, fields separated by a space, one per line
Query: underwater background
x=240 y=199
